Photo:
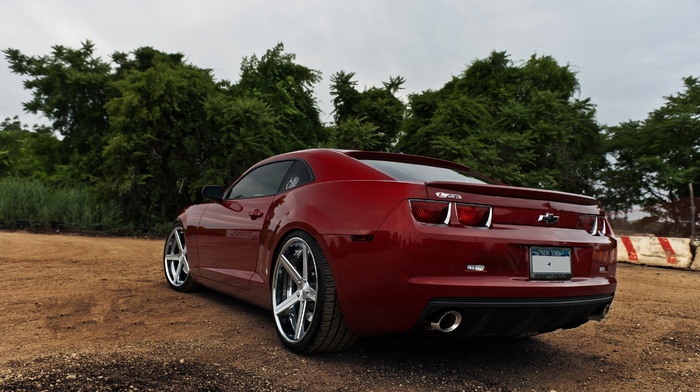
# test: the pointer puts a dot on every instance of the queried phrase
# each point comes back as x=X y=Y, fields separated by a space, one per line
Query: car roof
x=408 y=158
x=336 y=164
x=331 y=165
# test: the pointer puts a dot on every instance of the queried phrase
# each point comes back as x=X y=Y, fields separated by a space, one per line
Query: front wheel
x=304 y=302
x=175 y=264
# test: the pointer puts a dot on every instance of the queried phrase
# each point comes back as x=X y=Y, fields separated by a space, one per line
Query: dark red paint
x=391 y=271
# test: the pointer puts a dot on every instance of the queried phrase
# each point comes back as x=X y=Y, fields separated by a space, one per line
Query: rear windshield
x=413 y=172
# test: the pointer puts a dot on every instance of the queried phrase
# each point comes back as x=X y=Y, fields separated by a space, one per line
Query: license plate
x=550 y=263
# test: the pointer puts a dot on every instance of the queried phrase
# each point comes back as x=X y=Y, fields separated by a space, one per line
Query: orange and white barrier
x=656 y=251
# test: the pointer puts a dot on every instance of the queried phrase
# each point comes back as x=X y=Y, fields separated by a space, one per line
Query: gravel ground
x=95 y=314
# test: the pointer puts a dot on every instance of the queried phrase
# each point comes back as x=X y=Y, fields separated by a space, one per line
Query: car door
x=230 y=230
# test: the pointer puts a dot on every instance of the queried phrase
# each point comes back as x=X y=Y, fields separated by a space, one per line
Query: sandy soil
x=95 y=314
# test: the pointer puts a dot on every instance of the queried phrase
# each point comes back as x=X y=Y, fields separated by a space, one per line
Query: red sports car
x=341 y=244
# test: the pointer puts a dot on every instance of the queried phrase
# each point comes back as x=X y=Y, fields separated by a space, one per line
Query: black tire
x=302 y=282
x=175 y=263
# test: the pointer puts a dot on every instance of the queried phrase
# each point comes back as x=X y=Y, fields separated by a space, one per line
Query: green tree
x=653 y=161
x=370 y=119
x=158 y=123
x=356 y=134
x=346 y=97
x=521 y=124
x=245 y=131
x=287 y=88
x=148 y=129
x=29 y=154
x=70 y=87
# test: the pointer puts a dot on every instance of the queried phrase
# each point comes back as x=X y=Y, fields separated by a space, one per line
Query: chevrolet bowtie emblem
x=548 y=218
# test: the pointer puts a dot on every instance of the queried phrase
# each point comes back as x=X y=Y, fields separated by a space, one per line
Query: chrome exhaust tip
x=601 y=315
x=447 y=322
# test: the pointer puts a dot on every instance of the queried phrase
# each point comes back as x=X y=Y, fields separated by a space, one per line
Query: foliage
x=70 y=87
x=654 y=160
x=287 y=88
x=43 y=206
x=157 y=120
x=143 y=133
x=369 y=120
x=25 y=153
x=356 y=134
x=520 y=124
x=148 y=130
x=246 y=130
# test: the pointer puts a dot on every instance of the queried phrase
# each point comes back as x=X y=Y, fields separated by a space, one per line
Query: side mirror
x=215 y=192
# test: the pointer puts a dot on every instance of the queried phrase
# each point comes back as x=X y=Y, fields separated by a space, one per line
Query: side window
x=298 y=175
x=262 y=181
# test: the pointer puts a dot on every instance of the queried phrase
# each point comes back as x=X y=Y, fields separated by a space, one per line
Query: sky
x=628 y=54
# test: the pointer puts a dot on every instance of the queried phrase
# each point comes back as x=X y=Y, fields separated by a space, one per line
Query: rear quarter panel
x=327 y=209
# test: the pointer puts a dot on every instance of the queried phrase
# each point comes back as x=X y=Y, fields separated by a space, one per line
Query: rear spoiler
x=513 y=191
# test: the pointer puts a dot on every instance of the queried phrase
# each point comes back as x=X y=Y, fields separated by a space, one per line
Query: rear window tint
x=413 y=172
x=298 y=175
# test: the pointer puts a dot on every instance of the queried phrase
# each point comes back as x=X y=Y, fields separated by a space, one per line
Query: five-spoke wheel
x=294 y=285
x=177 y=269
x=304 y=303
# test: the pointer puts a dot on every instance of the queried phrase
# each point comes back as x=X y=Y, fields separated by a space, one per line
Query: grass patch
x=30 y=202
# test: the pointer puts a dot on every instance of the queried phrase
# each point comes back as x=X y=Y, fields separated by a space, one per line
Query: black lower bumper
x=510 y=317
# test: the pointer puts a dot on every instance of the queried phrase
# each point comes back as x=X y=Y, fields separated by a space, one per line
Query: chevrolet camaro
x=342 y=244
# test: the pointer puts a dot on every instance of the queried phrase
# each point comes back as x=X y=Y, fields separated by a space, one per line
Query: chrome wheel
x=294 y=290
x=176 y=266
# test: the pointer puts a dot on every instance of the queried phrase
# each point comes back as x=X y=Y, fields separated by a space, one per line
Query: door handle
x=255 y=214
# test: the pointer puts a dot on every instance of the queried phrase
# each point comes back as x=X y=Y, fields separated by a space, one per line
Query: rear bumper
x=384 y=291
x=510 y=317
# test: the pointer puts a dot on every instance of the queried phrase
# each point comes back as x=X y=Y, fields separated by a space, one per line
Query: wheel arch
x=346 y=208
x=282 y=236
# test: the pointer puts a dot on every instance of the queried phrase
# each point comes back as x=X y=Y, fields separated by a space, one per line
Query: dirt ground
x=95 y=314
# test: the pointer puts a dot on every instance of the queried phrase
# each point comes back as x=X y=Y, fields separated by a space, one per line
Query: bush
x=30 y=202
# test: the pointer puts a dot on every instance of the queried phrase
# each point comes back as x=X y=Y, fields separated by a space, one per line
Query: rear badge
x=444 y=195
x=548 y=218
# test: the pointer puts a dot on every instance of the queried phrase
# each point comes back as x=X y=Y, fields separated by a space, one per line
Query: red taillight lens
x=430 y=211
x=595 y=225
x=471 y=215
x=588 y=223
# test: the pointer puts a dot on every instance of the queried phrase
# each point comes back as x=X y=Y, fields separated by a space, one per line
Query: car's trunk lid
x=520 y=206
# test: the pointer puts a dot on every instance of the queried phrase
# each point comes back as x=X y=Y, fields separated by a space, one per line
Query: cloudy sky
x=628 y=54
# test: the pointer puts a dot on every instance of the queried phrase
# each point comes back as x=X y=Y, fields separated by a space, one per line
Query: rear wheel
x=175 y=264
x=304 y=302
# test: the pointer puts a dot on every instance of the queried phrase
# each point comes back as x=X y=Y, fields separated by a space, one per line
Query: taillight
x=434 y=212
x=439 y=213
x=473 y=215
x=595 y=225
x=589 y=223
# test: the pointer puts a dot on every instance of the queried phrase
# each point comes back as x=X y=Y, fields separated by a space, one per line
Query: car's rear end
x=476 y=259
